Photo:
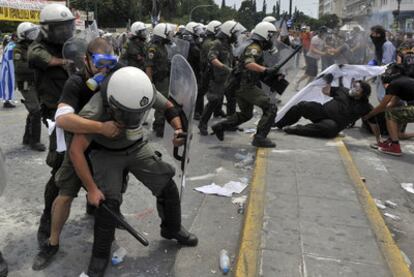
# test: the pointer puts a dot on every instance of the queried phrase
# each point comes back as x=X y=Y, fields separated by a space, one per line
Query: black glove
x=271 y=72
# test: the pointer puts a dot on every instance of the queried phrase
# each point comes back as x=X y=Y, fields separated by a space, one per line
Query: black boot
x=183 y=237
x=3 y=267
x=27 y=130
x=261 y=141
x=43 y=233
x=97 y=266
x=218 y=130
x=203 y=129
x=44 y=257
x=104 y=232
x=169 y=210
x=7 y=104
x=35 y=133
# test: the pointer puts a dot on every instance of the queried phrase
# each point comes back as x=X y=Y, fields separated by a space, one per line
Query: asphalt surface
x=213 y=219
x=313 y=164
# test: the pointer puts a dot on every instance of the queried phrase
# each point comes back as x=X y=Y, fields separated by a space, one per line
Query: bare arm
x=76 y=124
x=217 y=63
x=58 y=62
x=77 y=149
x=327 y=90
x=255 y=67
x=380 y=108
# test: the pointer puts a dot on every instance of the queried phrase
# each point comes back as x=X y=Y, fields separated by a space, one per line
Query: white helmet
x=265 y=30
x=213 y=26
x=139 y=29
x=54 y=13
x=27 y=30
x=194 y=28
x=270 y=19
x=163 y=30
x=57 y=23
x=130 y=95
x=231 y=27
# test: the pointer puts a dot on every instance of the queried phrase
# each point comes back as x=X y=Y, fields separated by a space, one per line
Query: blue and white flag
x=7 y=73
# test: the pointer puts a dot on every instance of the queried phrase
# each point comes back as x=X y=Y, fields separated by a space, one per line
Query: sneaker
x=183 y=237
x=391 y=149
x=44 y=257
x=3 y=267
x=264 y=142
x=218 y=131
x=8 y=104
x=97 y=267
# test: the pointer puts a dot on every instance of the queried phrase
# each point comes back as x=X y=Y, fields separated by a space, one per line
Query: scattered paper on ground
x=394 y=217
x=379 y=204
x=408 y=187
x=226 y=190
x=239 y=200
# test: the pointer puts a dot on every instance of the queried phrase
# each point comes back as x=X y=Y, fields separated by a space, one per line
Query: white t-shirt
x=318 y=43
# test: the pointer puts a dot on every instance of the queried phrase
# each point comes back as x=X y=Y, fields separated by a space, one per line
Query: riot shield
x=74 y=49
x=3 y=180
x=183 y=93
x=178 y=46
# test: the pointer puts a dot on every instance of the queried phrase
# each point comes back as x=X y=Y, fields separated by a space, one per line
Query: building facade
x=332 y=7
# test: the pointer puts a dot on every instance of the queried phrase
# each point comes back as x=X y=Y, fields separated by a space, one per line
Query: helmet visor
x=32 y=33
x=61 y=32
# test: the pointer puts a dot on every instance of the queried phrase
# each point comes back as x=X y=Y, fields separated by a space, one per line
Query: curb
x=247 y=261
x=386 y=243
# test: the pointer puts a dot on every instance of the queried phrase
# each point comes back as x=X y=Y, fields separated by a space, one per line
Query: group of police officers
x=100 y=110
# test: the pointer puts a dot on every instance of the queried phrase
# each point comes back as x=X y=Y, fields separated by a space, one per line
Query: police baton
x=140 y=237
x=297 y=49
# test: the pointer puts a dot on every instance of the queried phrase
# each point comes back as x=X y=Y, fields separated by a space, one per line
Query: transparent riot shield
x=183 y=93
x=178 y=46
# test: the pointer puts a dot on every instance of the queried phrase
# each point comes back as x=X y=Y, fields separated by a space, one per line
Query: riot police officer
x=45 y=56
x=220 y=58
x=133 y=52
x=157 y=67
x=26 y=33
x=249 y=73
x=194 y=34
x=213 y=27
x=125 y=97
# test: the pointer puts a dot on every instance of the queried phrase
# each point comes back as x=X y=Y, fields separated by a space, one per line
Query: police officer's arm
x=252 y=53
x=41 y=58
x=172 y=115
x=327 y=90
x=213 y=55
x=149 y=62
x=77 y=155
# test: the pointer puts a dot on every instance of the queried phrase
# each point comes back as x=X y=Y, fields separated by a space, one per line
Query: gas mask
x=393 y=72
x=100 y=61
x=355 y=90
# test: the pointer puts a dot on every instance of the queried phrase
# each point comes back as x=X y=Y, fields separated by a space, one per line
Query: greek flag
x=7 y=73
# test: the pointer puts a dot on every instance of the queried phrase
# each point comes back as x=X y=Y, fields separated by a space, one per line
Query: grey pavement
x=313 y=222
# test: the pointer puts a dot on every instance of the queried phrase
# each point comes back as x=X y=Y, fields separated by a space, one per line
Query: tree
x=223 y=4
x=264 y=8
x=329 y=20
x=247 y=14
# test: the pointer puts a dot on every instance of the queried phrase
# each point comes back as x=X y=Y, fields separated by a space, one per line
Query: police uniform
x=221 y=49
x=109 y=159
x=25 y=84
x=134 y=52
x=204 y=64
x=157 y=59
x=194 y=60
x=49 y=82
x=248 y=95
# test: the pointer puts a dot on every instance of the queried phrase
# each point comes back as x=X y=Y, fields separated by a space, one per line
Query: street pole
x=196 y=7
x=95 y=12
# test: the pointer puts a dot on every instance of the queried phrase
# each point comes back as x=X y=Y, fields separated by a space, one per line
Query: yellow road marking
x=249 y=251
x=389 y=249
